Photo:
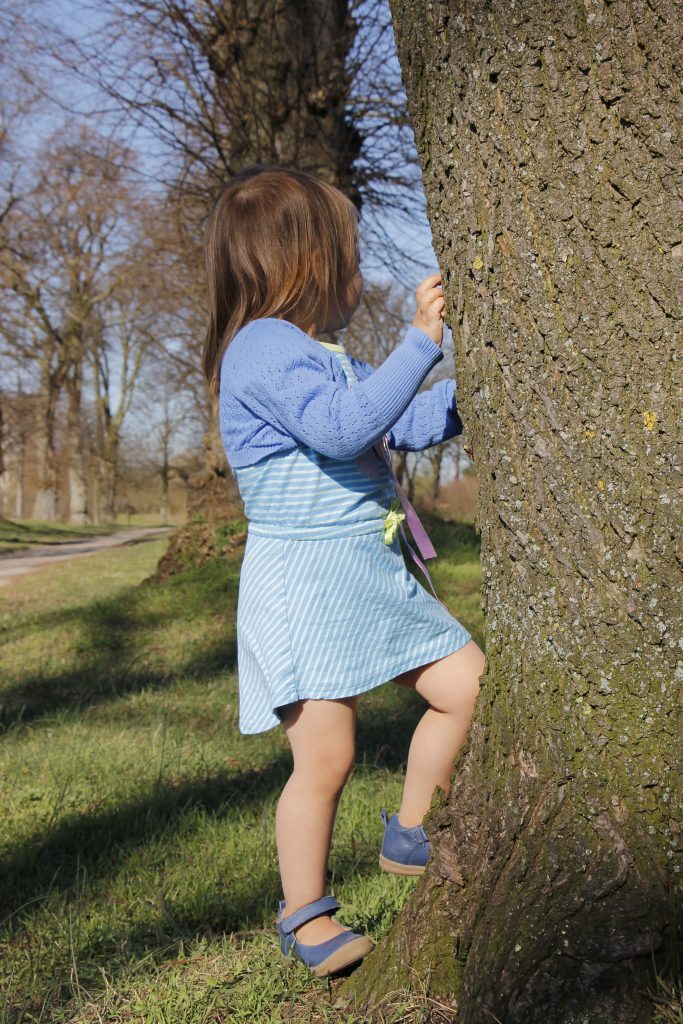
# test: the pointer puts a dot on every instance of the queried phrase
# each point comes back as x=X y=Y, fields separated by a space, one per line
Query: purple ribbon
x=424 y=544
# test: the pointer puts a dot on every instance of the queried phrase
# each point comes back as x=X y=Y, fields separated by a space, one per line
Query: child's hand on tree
x=430 y=305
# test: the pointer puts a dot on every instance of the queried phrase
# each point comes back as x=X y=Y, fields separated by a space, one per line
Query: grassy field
x=144 y=519
x=138 y=876
x=19 y=534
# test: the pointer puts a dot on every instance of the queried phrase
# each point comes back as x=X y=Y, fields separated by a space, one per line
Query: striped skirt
x=329 y=611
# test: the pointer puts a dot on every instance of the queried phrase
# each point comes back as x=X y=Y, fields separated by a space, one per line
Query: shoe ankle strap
x=416 y=831
x=325 y=905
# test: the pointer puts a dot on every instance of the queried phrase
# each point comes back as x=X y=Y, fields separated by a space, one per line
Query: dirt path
x=18 y=563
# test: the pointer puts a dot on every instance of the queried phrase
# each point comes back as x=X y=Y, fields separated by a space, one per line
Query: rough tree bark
x=548 y=137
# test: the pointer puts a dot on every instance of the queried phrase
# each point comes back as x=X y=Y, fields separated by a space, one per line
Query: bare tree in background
x=119 y=346
x=17 y=422
x=72 y=273
x=19 y=91
x=172 y=416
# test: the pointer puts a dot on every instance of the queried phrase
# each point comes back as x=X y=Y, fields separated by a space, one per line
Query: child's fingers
x=433 y=293
x=434 y=280
x=429 y=294
x=430 y=302
x=433 y=300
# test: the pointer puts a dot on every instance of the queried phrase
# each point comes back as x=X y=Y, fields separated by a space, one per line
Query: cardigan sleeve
x=287 y=379
x=430 y=419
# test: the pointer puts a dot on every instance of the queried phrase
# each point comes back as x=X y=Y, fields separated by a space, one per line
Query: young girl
x=326 y=608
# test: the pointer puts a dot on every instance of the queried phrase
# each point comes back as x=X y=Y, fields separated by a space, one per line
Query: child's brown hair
x=279 y=242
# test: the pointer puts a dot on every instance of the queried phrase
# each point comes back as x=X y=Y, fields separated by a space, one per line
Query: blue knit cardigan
x=281 y=389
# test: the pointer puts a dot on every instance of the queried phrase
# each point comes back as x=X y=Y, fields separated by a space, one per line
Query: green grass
x=138 y=872
x=20 y=534
x=137 y=519
x=17 y=535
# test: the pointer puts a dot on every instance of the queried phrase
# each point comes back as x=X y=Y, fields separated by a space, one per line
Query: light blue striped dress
x=325 y=607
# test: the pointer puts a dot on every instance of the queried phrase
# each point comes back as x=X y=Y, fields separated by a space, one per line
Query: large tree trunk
x=109 y=475
x=457 y=458
x=436 y=460
x=547 y=135
x=45 y=500
x=77 y=475
x=212 y=491
x=282 y=84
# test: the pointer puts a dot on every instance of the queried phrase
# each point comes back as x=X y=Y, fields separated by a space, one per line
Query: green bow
x=392 y=520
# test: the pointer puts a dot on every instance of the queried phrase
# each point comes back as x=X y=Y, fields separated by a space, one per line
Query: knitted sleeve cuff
x=392 y=385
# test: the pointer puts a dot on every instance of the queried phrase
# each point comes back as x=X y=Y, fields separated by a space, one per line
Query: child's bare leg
x=321 y=734
x=451 y=685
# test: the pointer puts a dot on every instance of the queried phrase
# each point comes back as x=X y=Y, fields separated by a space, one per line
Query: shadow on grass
x=99 y=842
x=42 y=696
x=110 y=651
x=48 y=533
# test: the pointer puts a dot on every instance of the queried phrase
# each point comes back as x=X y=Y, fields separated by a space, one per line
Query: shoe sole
x=396 y=868
x=347 y=954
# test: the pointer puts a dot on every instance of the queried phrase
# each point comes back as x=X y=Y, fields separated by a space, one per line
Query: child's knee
x=465 y=686
x=339 y=760
x=467 y=694
x=459 y=696
x=330 y=765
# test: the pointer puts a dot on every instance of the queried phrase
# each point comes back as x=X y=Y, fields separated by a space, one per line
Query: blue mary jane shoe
x=405 y=851
x=325 y=957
